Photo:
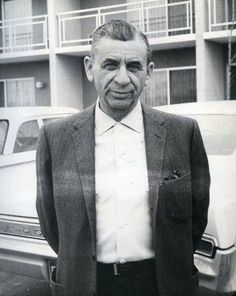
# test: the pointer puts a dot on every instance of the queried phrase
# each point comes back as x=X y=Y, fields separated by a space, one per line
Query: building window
x=233 y=82
x=171 y=86
x=17 y=92
x=221 y=14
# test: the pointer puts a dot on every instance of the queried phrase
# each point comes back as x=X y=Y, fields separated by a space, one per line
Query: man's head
x=120 y=64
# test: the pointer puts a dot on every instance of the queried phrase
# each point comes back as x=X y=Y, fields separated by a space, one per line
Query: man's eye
x=134 y=68
x=110 y=66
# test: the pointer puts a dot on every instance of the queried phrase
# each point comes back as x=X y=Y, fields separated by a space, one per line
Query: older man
x=123 y=190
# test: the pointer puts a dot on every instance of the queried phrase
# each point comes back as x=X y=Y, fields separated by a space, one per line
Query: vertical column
x=209 y=59
x=65 y=71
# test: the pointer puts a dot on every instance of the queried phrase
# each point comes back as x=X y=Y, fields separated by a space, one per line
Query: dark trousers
x=129 y=279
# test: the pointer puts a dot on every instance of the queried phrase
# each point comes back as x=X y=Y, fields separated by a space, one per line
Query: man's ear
x=88 y=65
x=150 y=68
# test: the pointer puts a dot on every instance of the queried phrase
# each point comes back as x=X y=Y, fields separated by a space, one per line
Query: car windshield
x=27 y=137
x=3 y=134
x=218 y=132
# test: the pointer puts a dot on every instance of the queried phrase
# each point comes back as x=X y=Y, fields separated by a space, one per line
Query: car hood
x=221 y=216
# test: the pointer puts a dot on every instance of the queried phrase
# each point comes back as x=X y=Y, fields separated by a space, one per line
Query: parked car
x=23 y=249
x=216 y=254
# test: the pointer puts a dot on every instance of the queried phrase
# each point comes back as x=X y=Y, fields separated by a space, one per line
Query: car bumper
x=218 y=273
x=25 y=256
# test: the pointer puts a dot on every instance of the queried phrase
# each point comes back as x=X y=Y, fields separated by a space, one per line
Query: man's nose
x=122 y=76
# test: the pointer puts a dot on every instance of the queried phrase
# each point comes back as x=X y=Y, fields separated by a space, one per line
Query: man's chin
x=122 y=104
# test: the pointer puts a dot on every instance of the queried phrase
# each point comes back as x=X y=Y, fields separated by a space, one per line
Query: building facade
x=43 y=43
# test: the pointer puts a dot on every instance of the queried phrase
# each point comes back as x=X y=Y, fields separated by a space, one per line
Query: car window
x=218 y=132
x=27 y=137
x=3 y=134
x=47 y=120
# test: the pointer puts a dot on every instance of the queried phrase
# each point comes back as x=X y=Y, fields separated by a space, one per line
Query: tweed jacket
x=178 y=207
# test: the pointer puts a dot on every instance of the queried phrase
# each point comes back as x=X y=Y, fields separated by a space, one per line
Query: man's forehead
x=119 y=57
x=116 y=49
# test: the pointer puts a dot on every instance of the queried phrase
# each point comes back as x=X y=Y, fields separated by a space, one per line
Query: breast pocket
x=178 y=197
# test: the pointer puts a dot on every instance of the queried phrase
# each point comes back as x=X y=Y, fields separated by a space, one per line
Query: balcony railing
x=221 y=15
x=24 y=34
x=155 y=20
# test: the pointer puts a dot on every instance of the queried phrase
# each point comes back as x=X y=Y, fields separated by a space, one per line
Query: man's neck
x=117 y=115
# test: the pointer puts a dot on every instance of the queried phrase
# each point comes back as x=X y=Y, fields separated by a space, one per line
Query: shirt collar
x=133 y=120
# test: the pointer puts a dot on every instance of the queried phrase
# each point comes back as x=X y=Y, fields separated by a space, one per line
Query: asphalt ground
x=18 y=285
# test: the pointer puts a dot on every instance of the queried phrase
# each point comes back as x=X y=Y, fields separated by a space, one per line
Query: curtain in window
x=2 y=94
x=157 y=19
x=19 y=35
x=183 y=86
x=231 y=13
x=233 y=83
x=155 y=94
x=20 y=93
x=154 y=18
x=177 y=17
x=134 y=17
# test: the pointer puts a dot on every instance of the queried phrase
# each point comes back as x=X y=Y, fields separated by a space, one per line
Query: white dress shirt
x=122 y=210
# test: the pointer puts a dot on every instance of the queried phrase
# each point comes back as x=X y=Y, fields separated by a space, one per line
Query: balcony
x=222 y=20
x=24 y=39
x=170 y=23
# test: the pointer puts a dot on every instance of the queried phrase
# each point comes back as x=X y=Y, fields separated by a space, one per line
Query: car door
x=17 y=173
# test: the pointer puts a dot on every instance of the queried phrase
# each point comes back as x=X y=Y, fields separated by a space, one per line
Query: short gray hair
x=119 y=30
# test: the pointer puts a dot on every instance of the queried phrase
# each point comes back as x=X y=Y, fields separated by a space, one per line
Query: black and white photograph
x=118 y=148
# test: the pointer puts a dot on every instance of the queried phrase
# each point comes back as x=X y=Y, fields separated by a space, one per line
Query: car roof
x=18 y=113
x=213 y=107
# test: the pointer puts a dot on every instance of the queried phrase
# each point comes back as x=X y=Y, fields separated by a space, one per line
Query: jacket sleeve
x=200 y=185
x=45 y=200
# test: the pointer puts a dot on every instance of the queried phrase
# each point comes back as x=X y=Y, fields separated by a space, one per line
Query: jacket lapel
x=84 y=143
x=155 y=138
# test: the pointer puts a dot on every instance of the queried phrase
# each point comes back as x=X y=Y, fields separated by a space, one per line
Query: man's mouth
x=120 y=94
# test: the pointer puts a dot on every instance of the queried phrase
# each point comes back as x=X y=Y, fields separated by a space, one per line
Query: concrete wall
x=54 y=7
x=209 y=60
x=211 y=79
x=68 y=88
x=38 y=70
x=65 y=71
x=89 y=91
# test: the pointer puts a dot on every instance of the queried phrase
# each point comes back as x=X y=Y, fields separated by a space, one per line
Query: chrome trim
x=20 y=228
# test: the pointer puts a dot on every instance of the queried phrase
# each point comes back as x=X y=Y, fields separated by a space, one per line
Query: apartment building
x=43 y=43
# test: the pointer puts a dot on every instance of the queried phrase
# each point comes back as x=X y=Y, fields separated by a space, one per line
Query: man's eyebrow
x=134 y=62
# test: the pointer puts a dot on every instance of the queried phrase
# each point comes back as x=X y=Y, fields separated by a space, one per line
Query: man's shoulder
x=168 y=119
x=65 y=124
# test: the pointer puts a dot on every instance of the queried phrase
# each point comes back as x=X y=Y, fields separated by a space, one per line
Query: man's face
x=119 y=70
